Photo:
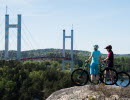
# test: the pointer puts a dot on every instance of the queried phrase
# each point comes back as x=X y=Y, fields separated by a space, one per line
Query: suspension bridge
x=20 y=38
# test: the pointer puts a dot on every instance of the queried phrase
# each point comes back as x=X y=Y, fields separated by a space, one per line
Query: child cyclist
x=96 y=57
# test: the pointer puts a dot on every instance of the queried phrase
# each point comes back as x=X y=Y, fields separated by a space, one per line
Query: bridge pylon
x=7 y=26
x=71 y=51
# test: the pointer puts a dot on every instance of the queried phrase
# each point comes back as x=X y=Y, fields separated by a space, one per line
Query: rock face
x=73 y=93
x=82 y=93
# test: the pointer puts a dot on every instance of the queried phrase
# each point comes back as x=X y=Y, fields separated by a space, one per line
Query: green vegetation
x=31 y=79
x=27 y=80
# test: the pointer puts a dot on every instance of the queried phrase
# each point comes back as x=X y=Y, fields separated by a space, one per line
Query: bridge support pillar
x=71 y=52
x=7 y=26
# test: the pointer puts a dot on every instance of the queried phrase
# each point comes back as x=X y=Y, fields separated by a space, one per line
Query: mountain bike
x=81 y=76
x=123 y=78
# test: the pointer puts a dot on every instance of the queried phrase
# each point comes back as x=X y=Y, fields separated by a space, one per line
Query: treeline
x=42 y=52
x=79 y=57
x=31 y=79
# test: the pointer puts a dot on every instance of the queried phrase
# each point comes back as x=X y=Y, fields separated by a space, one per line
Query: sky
x=102 y=22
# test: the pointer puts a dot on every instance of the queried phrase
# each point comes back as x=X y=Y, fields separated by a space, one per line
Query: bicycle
x=123 y=78
x=107 y=76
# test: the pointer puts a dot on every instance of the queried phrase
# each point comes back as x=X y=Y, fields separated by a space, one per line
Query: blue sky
x=99 y=22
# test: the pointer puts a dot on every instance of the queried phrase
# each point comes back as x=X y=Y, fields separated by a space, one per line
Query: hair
x=109 y=49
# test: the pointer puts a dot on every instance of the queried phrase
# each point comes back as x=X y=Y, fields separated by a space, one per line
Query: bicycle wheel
x=109 y=76
x=123 y=79
x=79 y=77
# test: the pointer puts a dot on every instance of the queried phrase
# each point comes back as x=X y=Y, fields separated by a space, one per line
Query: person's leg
x=92 y=77
x=111 y=75
x=105 y=76
x=92 y=71
x=96 y=72
x=97 y=77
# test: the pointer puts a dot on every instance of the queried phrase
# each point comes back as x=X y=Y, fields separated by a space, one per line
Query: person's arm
x=106 y=59
x=89 y=58
x=109 y=54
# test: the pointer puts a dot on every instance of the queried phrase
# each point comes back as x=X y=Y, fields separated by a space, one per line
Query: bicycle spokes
x=79 y=77
x=109 y=76
x=123 y=79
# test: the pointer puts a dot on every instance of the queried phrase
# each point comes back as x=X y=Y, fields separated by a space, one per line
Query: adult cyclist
x=109 y=60
x=110 y=56
x=96 y=57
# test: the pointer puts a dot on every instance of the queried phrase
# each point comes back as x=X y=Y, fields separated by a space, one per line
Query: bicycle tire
x=108 y=79
x=81 y=78
x=123 y=79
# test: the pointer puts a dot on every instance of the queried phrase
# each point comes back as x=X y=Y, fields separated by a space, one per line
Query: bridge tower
x=71 y=51
x=7 y=26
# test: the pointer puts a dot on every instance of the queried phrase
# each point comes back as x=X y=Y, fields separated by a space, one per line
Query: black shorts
x=110 y=64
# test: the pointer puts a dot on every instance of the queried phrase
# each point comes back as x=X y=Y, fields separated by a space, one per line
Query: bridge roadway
x=31 y=58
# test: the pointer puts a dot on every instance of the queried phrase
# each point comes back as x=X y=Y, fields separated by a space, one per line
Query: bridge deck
x=31 y=58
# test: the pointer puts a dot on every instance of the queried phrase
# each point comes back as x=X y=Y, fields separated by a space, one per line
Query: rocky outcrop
x=86 y=93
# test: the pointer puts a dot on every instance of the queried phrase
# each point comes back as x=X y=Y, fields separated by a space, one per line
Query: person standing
x=110 y=57
x=94 y=66
x=109 y=62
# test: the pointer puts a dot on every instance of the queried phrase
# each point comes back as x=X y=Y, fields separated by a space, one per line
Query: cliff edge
x=92 y=92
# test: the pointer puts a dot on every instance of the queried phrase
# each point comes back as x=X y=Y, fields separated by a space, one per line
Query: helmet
x=108 y=47
x=96 y=46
